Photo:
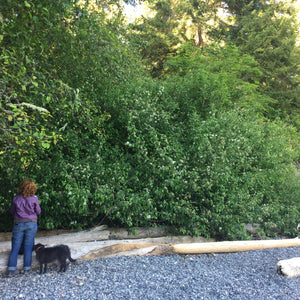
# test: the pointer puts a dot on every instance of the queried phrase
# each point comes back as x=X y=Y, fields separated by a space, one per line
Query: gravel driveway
x=244 y=275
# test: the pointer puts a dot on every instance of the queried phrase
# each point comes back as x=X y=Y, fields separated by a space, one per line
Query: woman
x=25 y=208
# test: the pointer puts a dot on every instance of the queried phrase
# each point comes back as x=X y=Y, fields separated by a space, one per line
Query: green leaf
x=27 y=4
x=45 y=145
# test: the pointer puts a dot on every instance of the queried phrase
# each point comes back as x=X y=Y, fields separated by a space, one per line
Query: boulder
x=289 y=267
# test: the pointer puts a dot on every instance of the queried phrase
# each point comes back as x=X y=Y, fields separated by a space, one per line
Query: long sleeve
x=37 y=207
x=12 y=209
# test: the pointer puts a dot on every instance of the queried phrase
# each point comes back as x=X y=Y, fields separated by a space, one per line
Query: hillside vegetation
x=173 y=120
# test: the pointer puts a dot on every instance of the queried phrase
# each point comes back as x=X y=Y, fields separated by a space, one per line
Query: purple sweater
x=25 y=208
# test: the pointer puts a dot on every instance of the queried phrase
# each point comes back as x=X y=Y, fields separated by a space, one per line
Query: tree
x=175 y=22
x=216 y=77
x=240 y=8
x=269 y=33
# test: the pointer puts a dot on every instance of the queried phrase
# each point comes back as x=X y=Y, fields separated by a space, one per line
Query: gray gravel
x=246 y=275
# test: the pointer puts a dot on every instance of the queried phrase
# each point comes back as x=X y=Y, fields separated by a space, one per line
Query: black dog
x=50 y=254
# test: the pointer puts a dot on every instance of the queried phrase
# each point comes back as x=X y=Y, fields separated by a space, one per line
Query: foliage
x=269 y=33
x=155 y=38
x=172 y=24
x=23 y=122
x=222 y=116
x=198 y=150
x=245 y=169
x=243 y=7
x=45 y=109
x=215 y=78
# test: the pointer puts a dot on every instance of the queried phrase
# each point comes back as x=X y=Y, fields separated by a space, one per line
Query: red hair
x=27 y=188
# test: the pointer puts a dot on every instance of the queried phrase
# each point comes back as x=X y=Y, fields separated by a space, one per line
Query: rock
x=252 y=228
x=289 y=267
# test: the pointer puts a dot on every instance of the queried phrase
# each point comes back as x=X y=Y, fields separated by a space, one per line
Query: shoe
x=24 y=272
x=11 y=273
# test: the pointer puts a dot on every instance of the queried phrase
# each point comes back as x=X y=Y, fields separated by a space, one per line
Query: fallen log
x=129 y=247
x=233 y=246
x=119 y=249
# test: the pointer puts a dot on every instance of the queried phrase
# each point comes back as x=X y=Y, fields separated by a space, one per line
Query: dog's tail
x=69 y=255
x=71 y=259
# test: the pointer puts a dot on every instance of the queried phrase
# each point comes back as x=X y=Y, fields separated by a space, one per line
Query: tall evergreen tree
x=268 y=32
x=175 y=22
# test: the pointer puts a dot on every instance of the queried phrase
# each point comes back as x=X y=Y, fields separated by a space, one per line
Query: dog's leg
x=41 y=268
x=63 y=265
x=45 y=268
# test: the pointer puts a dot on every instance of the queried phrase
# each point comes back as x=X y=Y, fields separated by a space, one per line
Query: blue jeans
x=22 y=231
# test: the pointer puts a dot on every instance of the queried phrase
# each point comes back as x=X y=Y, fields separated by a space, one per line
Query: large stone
x=289 y=267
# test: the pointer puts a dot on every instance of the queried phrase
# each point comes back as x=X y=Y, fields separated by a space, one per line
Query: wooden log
x=111 y=250
x=233 y=246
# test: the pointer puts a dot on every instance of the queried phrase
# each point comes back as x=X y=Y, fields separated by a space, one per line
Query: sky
x=133 y=12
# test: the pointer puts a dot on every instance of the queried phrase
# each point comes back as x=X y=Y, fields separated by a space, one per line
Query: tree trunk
x=234 y=246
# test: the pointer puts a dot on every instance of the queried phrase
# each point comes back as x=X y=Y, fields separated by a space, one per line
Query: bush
x=246 y=173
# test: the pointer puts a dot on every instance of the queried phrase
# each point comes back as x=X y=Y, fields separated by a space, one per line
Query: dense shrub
x=246 y=173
